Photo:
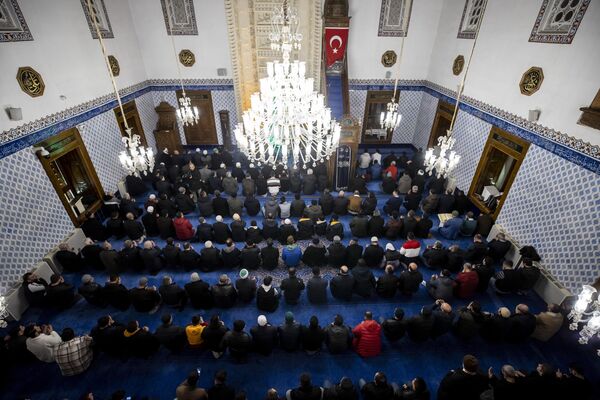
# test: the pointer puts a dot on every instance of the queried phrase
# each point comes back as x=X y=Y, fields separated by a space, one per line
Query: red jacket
x=183 y=228
x=393 y=170
x=467 y=284
x=367 y=338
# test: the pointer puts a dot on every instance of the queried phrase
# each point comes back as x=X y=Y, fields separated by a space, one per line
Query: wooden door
x=133 y=121
x=205 y=130
x=441 y=123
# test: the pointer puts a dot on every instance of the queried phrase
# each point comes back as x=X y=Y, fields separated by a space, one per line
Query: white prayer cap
x=420 y=172
x=239 y=165
x=198 y=149
x=251 y=165
x=166 y=151
x=262 y=320
x=287 y=221
x=236 y=217
x=219 y=218
x=152 y=197
x=205 y=152
x=222 y=165
x=336 y=238
x=87 y=278
x=309 y=171
x=374 y=239
x=150 y=209
x=208 y=244
x=194 y=277
x=390 y=246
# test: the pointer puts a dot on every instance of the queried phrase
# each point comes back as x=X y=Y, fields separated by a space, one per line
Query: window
x=377 y=101
x=471 y=18
x=13 y=27
x=72 y=174
x=498 y=166
x=394 y=18
x=100 y=15
x=183 y=17
x=558 y=20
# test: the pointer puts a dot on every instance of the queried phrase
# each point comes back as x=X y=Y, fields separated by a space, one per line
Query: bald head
x=445 y=307
x=522 y=309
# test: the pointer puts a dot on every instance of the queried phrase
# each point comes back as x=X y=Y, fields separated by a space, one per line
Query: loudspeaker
x=533 y=116
x=388 y=74
x=222 y=71
x=15 y=114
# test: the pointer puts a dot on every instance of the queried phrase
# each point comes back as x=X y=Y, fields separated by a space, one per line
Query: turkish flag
x=335 y=44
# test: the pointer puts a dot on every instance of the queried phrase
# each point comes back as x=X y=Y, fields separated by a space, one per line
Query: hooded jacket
x=367 y=338
x=183 y=229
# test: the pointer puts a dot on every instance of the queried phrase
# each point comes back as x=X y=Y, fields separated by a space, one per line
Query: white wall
x=365 y=48
x=210 y=46
x=67 y=57
x=504 y=53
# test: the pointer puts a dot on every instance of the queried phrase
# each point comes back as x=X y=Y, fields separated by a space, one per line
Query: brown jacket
x=354 y=204
x=546 y=325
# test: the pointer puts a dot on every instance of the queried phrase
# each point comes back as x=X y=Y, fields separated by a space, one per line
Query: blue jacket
x=451 y=228
x=376 y=171
x=291 y=255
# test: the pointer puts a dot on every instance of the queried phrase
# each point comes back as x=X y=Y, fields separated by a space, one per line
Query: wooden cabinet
x=166 y=133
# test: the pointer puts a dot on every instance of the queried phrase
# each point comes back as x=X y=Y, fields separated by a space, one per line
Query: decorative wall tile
x=554 y=206
x=427 y=110
x=101 y=15
x=394 y=18
x=224 y=100
x=558 y=21
x=357 y=99
x=32 y=218
x=149 y=117
x=470 y=133
x=182 y=19
x=409 y=104
x=13 y=27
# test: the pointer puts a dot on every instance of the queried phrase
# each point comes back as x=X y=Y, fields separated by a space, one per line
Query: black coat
x=238 y=231
x=436 y=258
x=420 y=328
x=337 y=255
x=134 y=229
x=165 y=227
x=94 y=229
x=521 y=327
x=297 y=208
x=184 y=202
x=246 y=289
x=116 y=295
x=314 y=256
x=306 y=229
x=144 y=299
x=210 y=259
x=410 y=281
x=340 y=205
x=224 y=295
x=353 y=254
x=266 y=300
x=364 y=281
x=373 y=255
x=423 y=227
x=497 y=249
x=270 y=229
x=189 y=259
x=387 y=285
x=316 y=290
x=476 y=252
x=254 y=234
x=375 y=226
x=220 y=206
x=204 y=232
x=292 y=288
x=458 y=385
x=213 y=336
x=129 y=258
x=221 y=232
x=289 y=336
x=334 y=228
x=250 y=257
x=168 y=206
x=252 y=206
x=114 y=227
x=171 y=256
x=171 y=336
x=152 y=259
x=231 y=257
x=205 y=206
x=312 y=338
x=412 y=201
x=264 y=339
x=173 y=295
x=270 y=257
x=93 y=293
x=285 y=231
x=199 y=294
x=326 y=203
x=393 y=329
x=91 y=256
x=359 y=226
x=408 y=225
x=69 y=260
x=342 y=286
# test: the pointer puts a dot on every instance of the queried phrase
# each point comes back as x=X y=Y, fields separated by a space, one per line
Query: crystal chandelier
x=390 y=119
x=186 y=113
x=284 y=34
x=288 y=119
x=586 y=311
x=135 y=159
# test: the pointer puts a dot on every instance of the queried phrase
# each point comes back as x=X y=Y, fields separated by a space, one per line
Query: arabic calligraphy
x=388 y=58
x=114 y=65
x=531 y=81
x=31 y=81
x=187 y=58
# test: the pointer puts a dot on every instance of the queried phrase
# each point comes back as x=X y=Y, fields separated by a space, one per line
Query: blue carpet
x=158 y=376
x=335 y=98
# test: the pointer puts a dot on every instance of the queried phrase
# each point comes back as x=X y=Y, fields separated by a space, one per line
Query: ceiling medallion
x=114 y=65
x=458 y=64
x=388 y=58
x=531 y=81
x=187 y=58
x=31 y=81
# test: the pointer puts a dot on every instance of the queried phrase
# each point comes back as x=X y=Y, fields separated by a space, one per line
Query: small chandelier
x=288 y=119
x=390 y=119
x=135 y=159
x=439 y=162
x=586 y=311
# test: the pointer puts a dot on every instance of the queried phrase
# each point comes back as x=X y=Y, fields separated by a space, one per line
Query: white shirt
x=376 y=156
x=365 y=160
x=43 y=346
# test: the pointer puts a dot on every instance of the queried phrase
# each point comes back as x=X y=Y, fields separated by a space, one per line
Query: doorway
x=205 y=131
x=441 y=123
x=372 y=132
x=133 y=121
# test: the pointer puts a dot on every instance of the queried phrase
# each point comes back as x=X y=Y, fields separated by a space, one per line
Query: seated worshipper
x=367 y=337
x=576 y=384
x=306 y=228
x=188 y=258
x=183 y=227
x=369 y=204
x=409 y=223
x=270 y=228
x=548 y=323
x=91 y=291
x=221 y=231
x=297 y=207
x=34 y=288
x=220 y=205
x=165 y=225
x=235 y=205
x=309 y=184
x=485 y=271
x=193 y=332
x=376 y=224
x=254 y=233
x=466 y=383
x=150 y=222
x=340 y=204
x=364 y=281
x=376 y=169
x=321 y=227
x=267 y=297
x=220 y=390
x=171 y=253
x=336 y=253
x=393 y=227
x=264 y=336
x=315 y=254
x=285 y=208
x=442 y=286
x=212 y=336
x=237 y=172
x=522 y=324
x=354 y=203
x=166 y=205
x=172 y=294
x=238 y=231
x=59 y=294
x=133 y=229
x=110 y=258
x=404 y=183
x=245 y=286
x=359 y=226
x=129 y=257
x=469 y=321
x=410 y=249
x=68 y=258
x=248 y=186
x=271 y=207
x=316 y=287
x=387 y=284
x=42 y=342
x=139 y=341
x=151 y=257
x=394 y=328
x=116 y=294
x=250 y=256
x=443 y=318
x=410 y=280
x=379 y=389
x=466 y=282
x=413 y=199
x=292 y=287
x=342 y=285
x=338 y=337
x=435 y=257
x=169 y=335
x=205 y=206
x=223 y=292
x=289 y=333
x=90 y=254
x=414 y=390
x=237 y=341
x=288 y=229
x=495 y=327
x=498 y=247
x=312 y=336
x=334 y=228
x=528 y=275
x=420 y=327
x=451 y=227
x=129 y=205
x=199 y=292
x=314 y=211
x=230 y=184
x=185 y=202
x=74 y=355
x=446 y=204
x=143 y=298
x=269 y=256
x=373 y=254
x=388 y=185
x=429 y=204
x=484 y=224
x=93 y=228
x=392 y=171
x=393 y=204
x=114 y=226
x=326 y=202
x=509 y=386
x=476 y=251
x=291 y=253
x=454 y=258
x=306 y=390
x=469 y=225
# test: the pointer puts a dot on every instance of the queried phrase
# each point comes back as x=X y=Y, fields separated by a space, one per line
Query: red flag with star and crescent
x=335 y=44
